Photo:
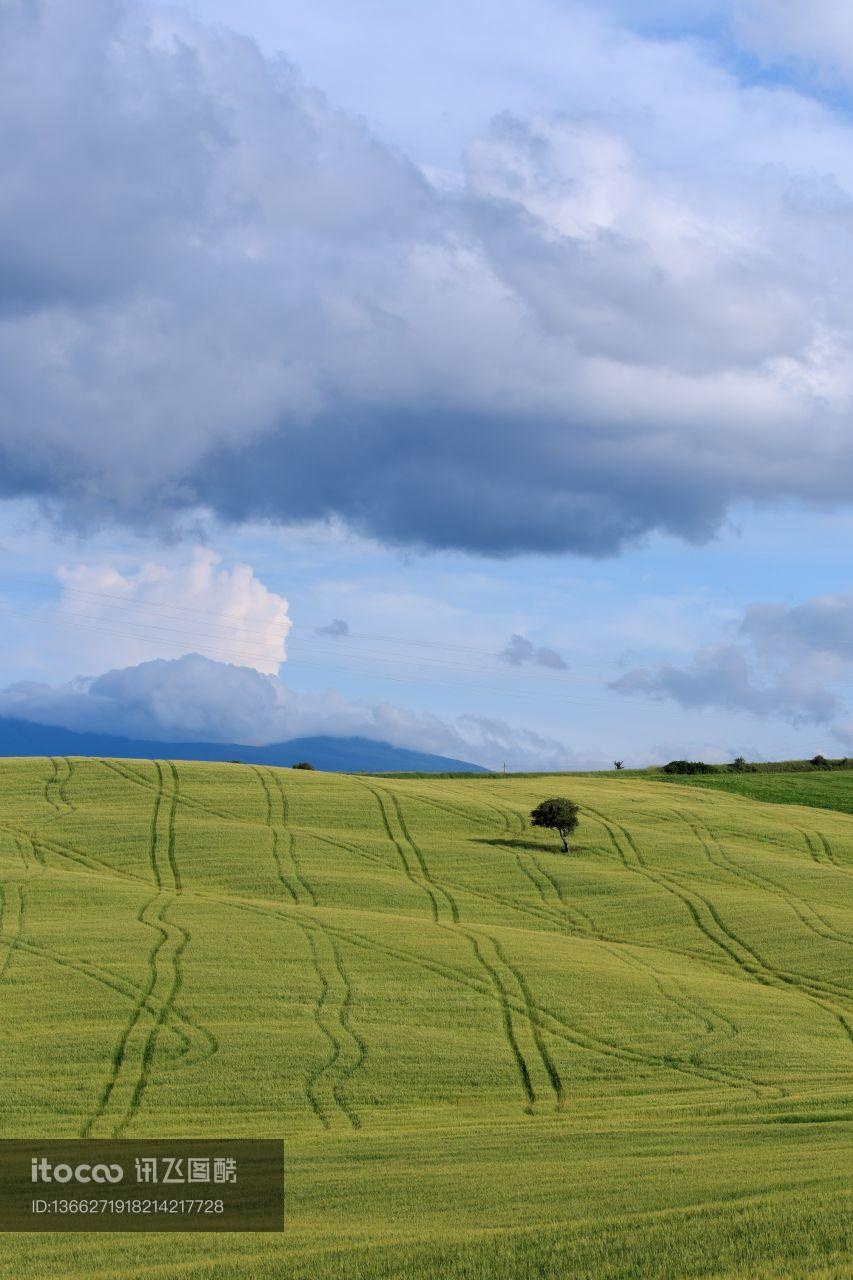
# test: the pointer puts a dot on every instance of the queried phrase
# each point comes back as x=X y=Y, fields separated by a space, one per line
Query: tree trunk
x=565 y=845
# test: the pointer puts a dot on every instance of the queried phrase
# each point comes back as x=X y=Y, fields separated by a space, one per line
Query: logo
x=43 y=1171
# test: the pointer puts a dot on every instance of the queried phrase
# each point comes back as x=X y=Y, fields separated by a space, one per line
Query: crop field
x=487 y=1060
x=822 y=790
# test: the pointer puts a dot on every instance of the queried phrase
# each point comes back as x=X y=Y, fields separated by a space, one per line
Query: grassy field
x=817 y=789
x=487 y=1060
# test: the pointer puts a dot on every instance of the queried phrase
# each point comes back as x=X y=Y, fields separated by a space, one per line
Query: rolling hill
x=486 y=1060
x=342 y=755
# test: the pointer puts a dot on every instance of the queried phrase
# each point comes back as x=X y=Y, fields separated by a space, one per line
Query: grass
x=487 y=1060
x=817 y=789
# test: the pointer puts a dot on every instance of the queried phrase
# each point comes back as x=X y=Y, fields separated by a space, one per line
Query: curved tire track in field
x=420 y=882
x=497 y=973
x=176 y=940
x=190 y=1033
x=540 y=915
x=170 y=846
x=555 y=1024
x=506 y=1015
x=53 y=788
x=131 y=1065
x=11 y=935
x=743 y=954
x=97 y=866
x=822 y=851
x=822 y=992
x=65 y=782
x=352 y=1067
x=807 y=914
x=52 y=792
x=426 y=882
x=529 y=1005
x=435 y=885
x=282 y=878
x=814 y=988
x=306 y=885
x=544 y=1016
x=550 y=1021
x=139 y=780
x=43 y=844
x=669 y=988
x=325 y=1084
x=833 y=857
x=444 y=807
x=705 y=1014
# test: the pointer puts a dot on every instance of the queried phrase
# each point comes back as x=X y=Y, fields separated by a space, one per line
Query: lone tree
x=618 y=764
x=558 y=814
x=302 y=764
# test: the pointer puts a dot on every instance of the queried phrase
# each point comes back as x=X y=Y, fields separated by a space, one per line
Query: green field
x=816 y=788
x=487 y=1060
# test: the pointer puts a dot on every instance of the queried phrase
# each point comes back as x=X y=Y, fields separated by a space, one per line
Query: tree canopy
x=558 y=814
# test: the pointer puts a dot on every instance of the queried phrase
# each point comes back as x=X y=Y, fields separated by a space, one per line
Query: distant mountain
x=335 y=755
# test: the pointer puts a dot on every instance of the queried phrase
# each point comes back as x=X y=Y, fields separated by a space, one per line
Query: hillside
x=487 y=1060
x=344 y=755
x=818 y=789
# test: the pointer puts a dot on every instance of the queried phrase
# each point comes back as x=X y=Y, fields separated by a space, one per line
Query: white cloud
x=788 y=661
x=816 y=34
x=198 y=605
x=195 y=699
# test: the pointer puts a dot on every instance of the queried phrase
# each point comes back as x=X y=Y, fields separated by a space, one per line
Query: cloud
x=520 y=651
x=788 y=661
x=257 y=308
x=724 y=675
x=194 y=699
x=822 y=626
x=813 y=34
x=337 y=627
x=109 y=615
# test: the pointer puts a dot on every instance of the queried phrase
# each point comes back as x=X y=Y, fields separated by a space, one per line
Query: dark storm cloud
x=217 y=291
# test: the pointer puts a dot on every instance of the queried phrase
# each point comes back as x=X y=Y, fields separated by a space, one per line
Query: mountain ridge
x=325 y=752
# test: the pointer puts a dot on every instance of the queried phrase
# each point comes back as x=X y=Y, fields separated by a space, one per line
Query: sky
x=473 y=377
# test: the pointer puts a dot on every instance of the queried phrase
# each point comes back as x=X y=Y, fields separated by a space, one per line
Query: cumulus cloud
x=257 y=308
x=195 y=699
x=197 y=604
x=521 y=651
x=788 y=661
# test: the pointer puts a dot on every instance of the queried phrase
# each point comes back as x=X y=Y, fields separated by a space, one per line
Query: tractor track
x=335 y=1071
x=131 y=1064
x=742 y=953
x=546 y=1018
x=804 y=910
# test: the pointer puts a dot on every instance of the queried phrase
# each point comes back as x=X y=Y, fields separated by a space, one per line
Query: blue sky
x=452 y=324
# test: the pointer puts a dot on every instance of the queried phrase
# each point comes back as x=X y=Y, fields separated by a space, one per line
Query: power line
x=223 y=654
x=243 y=619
